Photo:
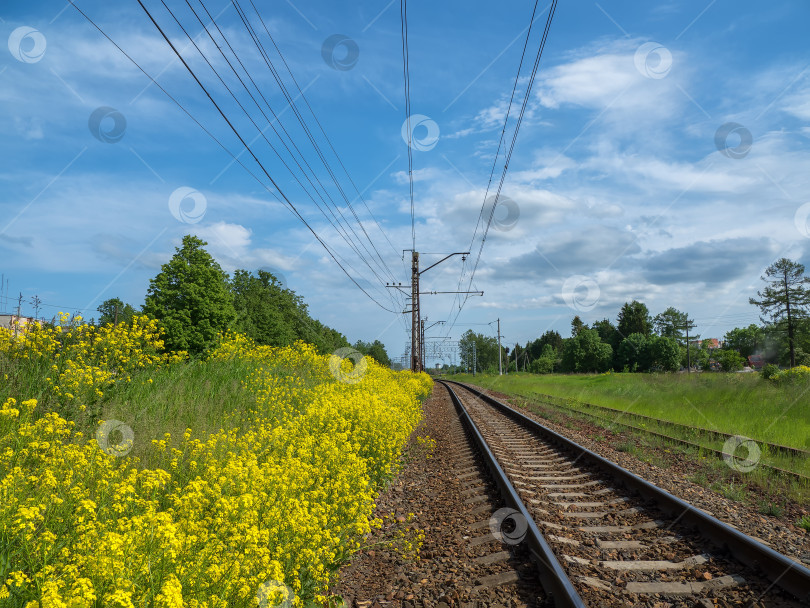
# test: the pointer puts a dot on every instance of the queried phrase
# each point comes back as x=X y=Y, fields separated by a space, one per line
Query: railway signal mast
x=417 y=336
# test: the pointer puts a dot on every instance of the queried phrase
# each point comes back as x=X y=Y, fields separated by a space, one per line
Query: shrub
x=800 y=373
x=730 y=360
x=769 y=371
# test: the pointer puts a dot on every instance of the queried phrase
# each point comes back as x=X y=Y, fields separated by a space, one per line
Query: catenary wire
x=277 y=194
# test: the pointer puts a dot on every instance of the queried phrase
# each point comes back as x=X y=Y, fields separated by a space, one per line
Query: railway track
x=723 y=454
x=604 y=537
x=573 y=405
x=611 y=417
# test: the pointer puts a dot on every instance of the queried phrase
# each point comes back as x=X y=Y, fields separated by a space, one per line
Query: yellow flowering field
x=260 y=512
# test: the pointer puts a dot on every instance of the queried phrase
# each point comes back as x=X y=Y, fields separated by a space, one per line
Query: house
x=710 y=343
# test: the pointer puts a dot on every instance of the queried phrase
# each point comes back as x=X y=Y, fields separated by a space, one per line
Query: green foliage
x=586 y=352
x=638 y=353
x=546 y=362
x=663 y=354
x=804 y=522
x=731 y=490
x=770 y=508
x=729 y=360
x=265 y=311
x=108 y=311
x=577 y=325
x=194 y=302
x=375 y=350
x=785 y=299
x=632 y=354
x=634 y=318
x=671 y=323
x=794 y=375
x=607 y=332
x=769 y=371
x=191 y=299
x=745 y=340
x=550 y=338
x=486 y=351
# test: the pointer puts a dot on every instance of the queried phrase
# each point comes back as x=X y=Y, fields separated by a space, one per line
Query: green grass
x=733 y=491
x=740 y=404
x=201 y=395
x=770 y=508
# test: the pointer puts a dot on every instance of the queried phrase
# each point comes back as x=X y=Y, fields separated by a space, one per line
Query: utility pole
x=19 y=306
x=422 y=341
x=689 y=325
x=500 y=356
x=475 y=362
x=36 y=303
x=416 y=334
x=415 y=319
x=115 y=323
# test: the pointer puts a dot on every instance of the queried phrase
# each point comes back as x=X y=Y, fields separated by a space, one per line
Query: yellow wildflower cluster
x=794 y=374
x=219 y=521
x=82 y=361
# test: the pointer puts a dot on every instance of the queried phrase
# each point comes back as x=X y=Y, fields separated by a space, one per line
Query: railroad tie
x=684 y=588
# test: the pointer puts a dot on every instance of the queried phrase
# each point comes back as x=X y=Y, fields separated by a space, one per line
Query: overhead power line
x=344 y=234
x=278 y=194
x=518 y=123
x=403 y=15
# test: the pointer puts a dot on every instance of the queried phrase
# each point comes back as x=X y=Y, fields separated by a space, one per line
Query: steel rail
x=554 y=579
x=560 y=402
x=781 y=570
x=719 y=453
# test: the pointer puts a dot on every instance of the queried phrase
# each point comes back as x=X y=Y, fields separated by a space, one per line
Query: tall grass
x=741 y=404
x=228 y=480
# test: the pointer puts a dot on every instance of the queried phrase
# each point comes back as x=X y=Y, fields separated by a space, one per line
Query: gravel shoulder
x=451 y=499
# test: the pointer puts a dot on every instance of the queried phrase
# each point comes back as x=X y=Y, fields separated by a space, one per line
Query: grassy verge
x=740 y=404
x=770 y=494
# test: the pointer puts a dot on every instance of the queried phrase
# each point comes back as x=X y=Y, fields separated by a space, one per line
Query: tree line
x=195 y=300
x=639 y=342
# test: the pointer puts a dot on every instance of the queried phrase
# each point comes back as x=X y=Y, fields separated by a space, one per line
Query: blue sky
x=663 y=156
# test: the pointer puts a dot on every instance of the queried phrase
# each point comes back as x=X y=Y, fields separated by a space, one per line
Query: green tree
x=785 y=298
x=671 y=323
x=586 y=352
x=605 y=329
x=550 y=337
x=729 y=360
x=633 y=353
x=577 y=325
x=546 y=362
x=264 y=309
x=634 y=318
x=324 y=338
x=375 y=350
x=108 y=309
x=272 y=314
x=663 y=353
x=486 y=351
x=191 y=299
x=745 y=340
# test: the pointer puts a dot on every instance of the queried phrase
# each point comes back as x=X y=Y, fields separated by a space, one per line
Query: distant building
x=711 y=343
x=13 y=321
